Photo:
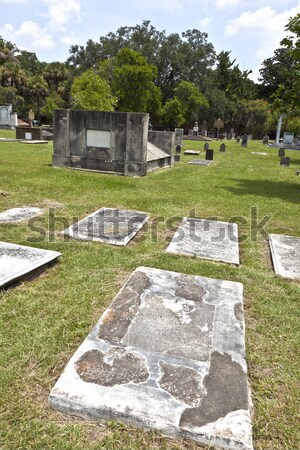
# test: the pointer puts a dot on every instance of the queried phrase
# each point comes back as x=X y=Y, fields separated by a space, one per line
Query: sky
x=250 y=29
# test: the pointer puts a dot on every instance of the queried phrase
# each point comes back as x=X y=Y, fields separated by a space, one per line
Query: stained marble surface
x=206 y=239
x=167 y=354
x=18 y=260
x=110 y=225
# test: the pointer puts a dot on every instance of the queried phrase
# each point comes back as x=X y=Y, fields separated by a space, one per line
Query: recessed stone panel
x=109 y=225
x=159 y=358
x=285 y=251
x=207 y=239
x=16 y=261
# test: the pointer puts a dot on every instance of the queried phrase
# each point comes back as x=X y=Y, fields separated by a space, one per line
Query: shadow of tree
x=284 y=190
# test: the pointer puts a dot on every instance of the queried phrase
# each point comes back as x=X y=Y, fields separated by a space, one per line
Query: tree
x=131 y=79
x=253 y=116
x=172 y=113
x=38 y=90
x=191 y=100
x=287 y=96
x=91 y=91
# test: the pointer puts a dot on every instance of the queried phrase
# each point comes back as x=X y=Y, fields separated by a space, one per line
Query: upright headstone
x=178 y=143
x=244 y=142
x=222 y=148
x=288 y=138
x=249 y=137
x=206 y=146
x=229 y=136
x=8 y=119
x=209 y=154
x=238 y=138
x=281 y=152
x=195 y=128
x=265 y=139
x=285 y=161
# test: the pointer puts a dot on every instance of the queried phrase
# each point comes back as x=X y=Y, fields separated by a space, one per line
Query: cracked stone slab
x=285 y=251
x=206 y=239
x=19 y=214
x=110 y=225
x=200 y=162
x=167 y=354
x=16 y=261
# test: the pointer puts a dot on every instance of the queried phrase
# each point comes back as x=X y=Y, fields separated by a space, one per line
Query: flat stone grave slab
x=285 y=251
x=260 y=153
x=191 y=152
x=19 y=214
x=168 y=354
x=16 y=261
x=109 y=225
x=200 y=162
x=206 y=239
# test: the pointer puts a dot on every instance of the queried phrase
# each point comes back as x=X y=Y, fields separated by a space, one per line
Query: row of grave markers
x=169 y=352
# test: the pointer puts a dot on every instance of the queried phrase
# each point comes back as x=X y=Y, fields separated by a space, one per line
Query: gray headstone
x=281 y=152
x=244 y=142
x=110 y=225
x=288 y=138
x=167 y=354
x=265 y=139
x=222 y=148
x=206 y=146
x=285 y=161
x=206 y=239
x=209 y=154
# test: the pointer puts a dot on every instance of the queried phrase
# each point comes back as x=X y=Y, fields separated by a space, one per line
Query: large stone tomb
x=19 y=214
x=168 y=354
x=285 y=251
x=17 y=261
x=110 y=142
x=110 y=225
x=207 y=239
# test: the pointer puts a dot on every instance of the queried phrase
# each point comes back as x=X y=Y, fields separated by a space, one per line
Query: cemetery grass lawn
x=43 y=321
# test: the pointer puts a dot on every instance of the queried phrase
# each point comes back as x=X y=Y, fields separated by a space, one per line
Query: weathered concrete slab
x=17 y=261
x=19 y=214
x=191 y=152
x=110 y=225
x=200 y=162
x=207 y=239
x=168 y=354
x=285 y=251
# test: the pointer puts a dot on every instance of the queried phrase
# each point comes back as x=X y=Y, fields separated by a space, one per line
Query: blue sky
x=250 y=29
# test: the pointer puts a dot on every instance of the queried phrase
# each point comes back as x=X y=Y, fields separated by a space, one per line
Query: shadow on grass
x=266 y=188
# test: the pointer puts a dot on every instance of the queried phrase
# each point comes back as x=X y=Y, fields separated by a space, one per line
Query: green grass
x=43 y=321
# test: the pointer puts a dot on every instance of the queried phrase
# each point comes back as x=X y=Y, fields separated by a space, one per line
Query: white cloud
x=61 y=12
x=203 y=23
x=265 y=24
x=14 y=1
x=228 y=3
x=29 y=33
x=68 y=39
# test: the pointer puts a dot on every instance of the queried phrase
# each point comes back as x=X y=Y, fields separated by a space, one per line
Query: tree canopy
x=177 y=78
